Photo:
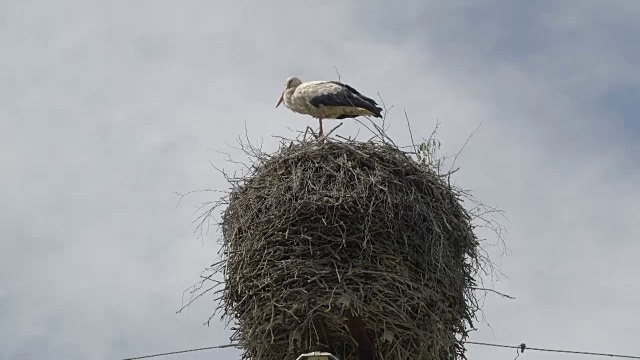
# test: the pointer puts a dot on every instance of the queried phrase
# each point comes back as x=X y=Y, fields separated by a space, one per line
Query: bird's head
x=291 y=84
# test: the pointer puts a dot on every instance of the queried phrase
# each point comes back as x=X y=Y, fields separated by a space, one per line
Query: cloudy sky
x=109 y=107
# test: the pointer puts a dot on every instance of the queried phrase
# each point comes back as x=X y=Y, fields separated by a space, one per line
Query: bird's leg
x=321 y=132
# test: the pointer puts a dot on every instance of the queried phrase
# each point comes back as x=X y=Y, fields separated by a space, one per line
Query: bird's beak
x=281 y=98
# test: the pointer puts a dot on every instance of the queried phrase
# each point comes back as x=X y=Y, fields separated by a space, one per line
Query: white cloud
x=109 y=109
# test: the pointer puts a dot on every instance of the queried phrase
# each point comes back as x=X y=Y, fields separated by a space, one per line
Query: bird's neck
x=288 y=94
x=290 y=91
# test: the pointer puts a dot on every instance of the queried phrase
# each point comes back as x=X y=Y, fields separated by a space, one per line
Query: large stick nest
x=324 y=227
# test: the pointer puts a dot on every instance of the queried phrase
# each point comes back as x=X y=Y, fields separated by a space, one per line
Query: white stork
x=327 y=100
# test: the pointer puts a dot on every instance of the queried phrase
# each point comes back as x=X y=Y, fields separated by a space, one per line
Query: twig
x=464 y=145
x=413 y=144
x=495 y=292
x=337 y=72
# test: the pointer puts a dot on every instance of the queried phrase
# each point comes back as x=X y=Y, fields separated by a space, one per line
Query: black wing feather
x=348 y=96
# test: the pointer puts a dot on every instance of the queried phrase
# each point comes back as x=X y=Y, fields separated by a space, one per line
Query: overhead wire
x=521 y=347
x=183 y=351
x=575 y=352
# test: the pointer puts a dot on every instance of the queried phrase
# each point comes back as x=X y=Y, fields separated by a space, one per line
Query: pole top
x=317 y=355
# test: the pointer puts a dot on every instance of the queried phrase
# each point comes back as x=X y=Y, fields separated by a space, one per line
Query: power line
x=518 y=347
x=183 y=351
x=555 y=350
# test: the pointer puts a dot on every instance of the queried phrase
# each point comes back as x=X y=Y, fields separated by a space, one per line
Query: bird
x=326 y=100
